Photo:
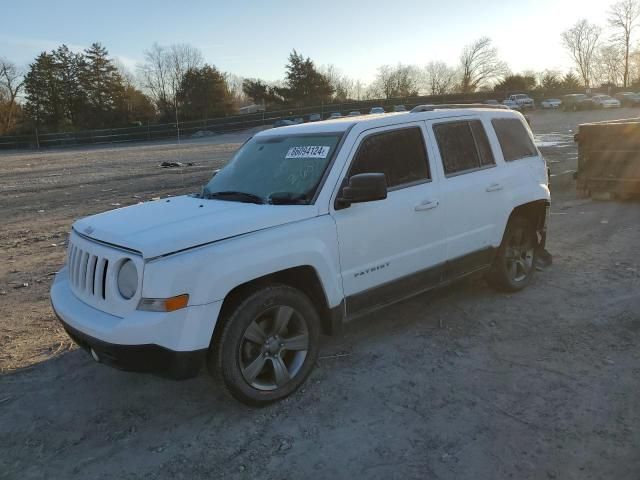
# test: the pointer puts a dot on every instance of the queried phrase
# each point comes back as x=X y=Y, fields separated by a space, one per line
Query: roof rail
x=452 y=106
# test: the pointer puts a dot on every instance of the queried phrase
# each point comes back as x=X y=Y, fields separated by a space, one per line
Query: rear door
x=524 y=167
x=472 y=190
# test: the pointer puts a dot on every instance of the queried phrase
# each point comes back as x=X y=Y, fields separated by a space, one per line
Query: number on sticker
x=308 y=151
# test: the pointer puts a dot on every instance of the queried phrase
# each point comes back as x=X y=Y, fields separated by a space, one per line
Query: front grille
x=88 y=272
x=92 y=275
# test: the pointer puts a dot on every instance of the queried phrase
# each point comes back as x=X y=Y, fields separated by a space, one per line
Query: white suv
x=308 y=226
x=519 y=101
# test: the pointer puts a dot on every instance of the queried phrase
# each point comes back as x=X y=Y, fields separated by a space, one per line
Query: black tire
x=514 y=265
x=240 y=351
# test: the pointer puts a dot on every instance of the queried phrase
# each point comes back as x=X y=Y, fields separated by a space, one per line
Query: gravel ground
x=463 y=383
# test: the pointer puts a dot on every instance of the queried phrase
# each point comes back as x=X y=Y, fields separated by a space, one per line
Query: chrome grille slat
x=72 y=256
x=84 y=262
x=98 y=276
x=91 y=271
x=76 y=268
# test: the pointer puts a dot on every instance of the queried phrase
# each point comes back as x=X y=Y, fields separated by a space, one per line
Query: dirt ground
x=464 y=383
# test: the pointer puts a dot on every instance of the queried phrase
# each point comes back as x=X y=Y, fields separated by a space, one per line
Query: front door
x=391 y=248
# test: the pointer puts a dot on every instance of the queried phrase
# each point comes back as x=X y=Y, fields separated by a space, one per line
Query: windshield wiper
x=232 y=195
x=287 y=198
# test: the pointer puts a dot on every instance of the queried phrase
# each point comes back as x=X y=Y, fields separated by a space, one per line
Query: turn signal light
x=163 y=304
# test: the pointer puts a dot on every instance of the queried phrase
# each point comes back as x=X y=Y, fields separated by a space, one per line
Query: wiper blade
x=232 y=195
x=287 y=198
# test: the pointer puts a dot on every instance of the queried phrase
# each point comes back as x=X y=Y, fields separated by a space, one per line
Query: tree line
x=66 y=90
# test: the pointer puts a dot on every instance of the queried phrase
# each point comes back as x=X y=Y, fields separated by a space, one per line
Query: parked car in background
x=354 y=113
x=335 y=115
x=314 y=117
x=298 y=120
x=283 y=122
x=513 y=105
x=628 y=99
x=522 y=99
x=605 y=101
x=551 y=103
x=399 y=108
x=375 y=110
x=576 y=101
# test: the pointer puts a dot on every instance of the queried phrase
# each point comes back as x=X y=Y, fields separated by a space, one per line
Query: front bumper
x=140 y=358
x=172 y=344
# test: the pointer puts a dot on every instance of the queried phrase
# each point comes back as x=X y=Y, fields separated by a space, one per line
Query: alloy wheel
x=273 y=348
x=519 y=255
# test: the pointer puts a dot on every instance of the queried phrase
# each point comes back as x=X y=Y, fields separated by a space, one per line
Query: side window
x=482 y=142
x=463 y=146
x=399 y=154
x=514 y=139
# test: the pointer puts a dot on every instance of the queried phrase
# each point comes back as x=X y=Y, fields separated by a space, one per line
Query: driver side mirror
x=364 y=187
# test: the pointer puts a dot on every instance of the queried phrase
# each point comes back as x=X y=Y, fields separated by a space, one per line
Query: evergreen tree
x=512 y=83
x=305 y=85
x=42 y=87
x=203 y=93
x=103 y=87
x=571 y=81
x=68 y=71
x=258 y=91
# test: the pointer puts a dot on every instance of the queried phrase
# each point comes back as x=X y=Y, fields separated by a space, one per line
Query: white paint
x=222 y=244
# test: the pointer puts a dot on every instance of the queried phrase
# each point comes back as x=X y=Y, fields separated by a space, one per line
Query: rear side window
x=514 y=139
x=399 y=154
x=463 y=146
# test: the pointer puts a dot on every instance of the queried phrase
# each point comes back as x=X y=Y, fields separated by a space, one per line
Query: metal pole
x=37 y=140
x=177 y=124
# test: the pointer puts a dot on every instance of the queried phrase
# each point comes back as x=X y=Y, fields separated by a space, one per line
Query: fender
x=209 y=273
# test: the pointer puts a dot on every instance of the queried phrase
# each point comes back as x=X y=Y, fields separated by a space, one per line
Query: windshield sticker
x=308 y=151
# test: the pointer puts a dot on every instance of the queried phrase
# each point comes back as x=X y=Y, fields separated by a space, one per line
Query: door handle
x=426 y=205
x=494 y=187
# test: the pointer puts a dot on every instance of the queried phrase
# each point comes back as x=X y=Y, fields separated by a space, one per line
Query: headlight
x=127 y=279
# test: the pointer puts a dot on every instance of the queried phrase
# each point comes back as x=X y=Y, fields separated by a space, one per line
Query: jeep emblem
x=88 y=230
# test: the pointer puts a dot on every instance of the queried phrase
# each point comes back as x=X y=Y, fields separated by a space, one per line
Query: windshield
x=276 y=169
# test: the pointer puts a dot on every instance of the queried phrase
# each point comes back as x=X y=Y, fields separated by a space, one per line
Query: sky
x=254 y=38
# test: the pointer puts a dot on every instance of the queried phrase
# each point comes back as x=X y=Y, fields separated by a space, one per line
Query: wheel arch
x=304 y=278
x=536 y=213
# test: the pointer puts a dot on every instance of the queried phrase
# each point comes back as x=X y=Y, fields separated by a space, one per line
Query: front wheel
x=514 y=265
x=268 y=346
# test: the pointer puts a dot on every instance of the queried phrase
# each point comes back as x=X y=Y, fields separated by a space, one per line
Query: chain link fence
x=236 y=123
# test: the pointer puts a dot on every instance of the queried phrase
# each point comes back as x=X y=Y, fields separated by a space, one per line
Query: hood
x=169 y=225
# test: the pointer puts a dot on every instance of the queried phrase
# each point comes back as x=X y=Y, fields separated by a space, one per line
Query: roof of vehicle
x=343 y=124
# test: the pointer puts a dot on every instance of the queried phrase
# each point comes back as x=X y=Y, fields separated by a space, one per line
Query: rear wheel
x=514 y=265
x=268 y=346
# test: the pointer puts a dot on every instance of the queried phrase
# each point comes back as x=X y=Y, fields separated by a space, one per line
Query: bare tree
x=182 y=57
x=623 y=16
x=609 y=66
x=582 y=41
x=480 y=65
x=234 y=85
x=439 y=77
x=399 y=81
x=343 y=86
x=163 y=71
x=11 y=82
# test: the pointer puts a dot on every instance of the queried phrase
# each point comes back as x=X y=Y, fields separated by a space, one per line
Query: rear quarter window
x=514 y=139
